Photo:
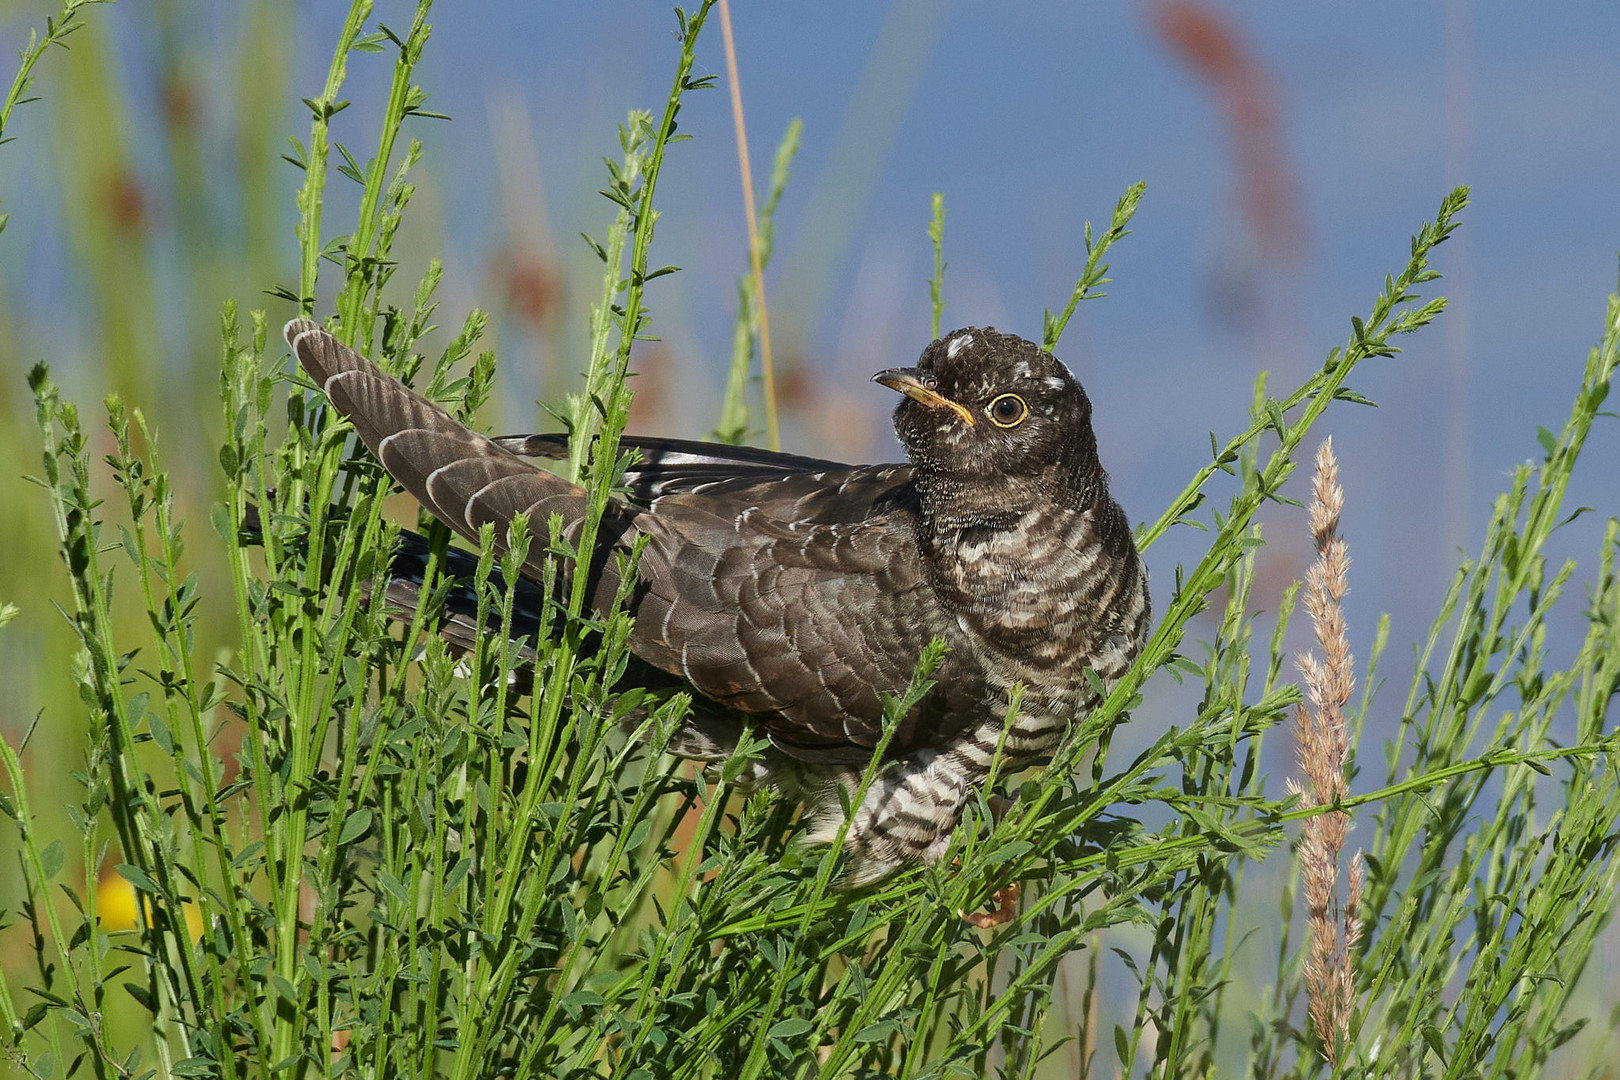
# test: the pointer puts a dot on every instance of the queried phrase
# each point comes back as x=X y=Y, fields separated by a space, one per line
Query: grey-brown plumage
x=799 y=591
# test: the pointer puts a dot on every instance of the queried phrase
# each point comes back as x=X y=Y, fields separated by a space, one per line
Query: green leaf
x=877 y=1032
x=355 y=825
x=161 y=734
x=142 y=995
x=1344 y=393
x=1548 y=441
x=1437 y=1043
x=284 y=989
x=1275 y=416
x=138 y=878
x=1577 y=512
x=52 y=858
x=1096 y=682
x=791 y=1028
x=580 y=1000
x=220 y=519
x=393 y=886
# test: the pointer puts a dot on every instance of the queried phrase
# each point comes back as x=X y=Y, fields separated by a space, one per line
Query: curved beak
x=917 y=387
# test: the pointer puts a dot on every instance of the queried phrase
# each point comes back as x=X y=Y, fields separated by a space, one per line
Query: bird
x=792 y=594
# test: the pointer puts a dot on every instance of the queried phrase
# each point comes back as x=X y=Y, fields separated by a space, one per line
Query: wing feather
x=787 y=587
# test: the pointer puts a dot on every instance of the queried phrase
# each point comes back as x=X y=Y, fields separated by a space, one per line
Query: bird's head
x=982 y=406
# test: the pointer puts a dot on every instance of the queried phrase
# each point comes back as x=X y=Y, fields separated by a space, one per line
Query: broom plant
x=358 y=851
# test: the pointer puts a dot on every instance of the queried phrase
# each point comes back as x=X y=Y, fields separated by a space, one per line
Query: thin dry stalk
x=754 y=263
x=1323 y=736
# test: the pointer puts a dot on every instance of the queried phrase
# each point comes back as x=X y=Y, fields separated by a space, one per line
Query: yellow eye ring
x=1007 y=411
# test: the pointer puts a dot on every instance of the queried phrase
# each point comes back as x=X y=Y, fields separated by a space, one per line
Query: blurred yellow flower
x=115 y=904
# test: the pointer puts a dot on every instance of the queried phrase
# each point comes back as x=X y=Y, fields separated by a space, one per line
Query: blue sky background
x=1031 y=117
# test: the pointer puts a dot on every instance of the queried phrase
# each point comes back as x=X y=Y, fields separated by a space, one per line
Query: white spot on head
x=1021 y=369
x=958 y=343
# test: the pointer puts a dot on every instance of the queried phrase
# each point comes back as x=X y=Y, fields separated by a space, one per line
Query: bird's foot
x=1005 y=898
x=1006 y=901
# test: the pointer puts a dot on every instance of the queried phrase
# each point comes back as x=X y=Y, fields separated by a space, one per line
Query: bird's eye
x=1008 y=410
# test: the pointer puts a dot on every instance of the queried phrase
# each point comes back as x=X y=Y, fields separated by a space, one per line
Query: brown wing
x=800 y=597
x=803 y=619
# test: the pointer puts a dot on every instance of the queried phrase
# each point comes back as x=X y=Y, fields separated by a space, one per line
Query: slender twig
x=936 y=235
x=754 y=261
